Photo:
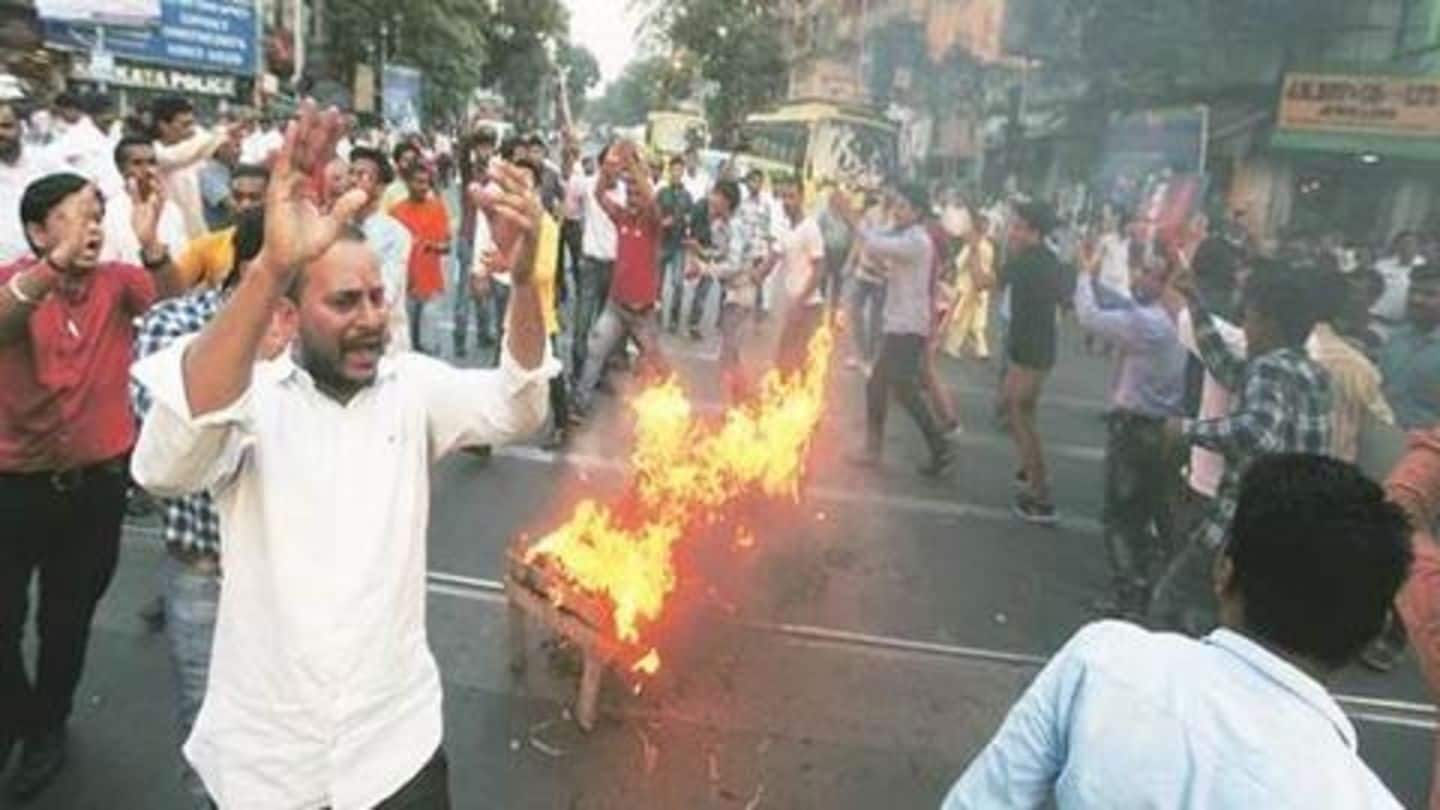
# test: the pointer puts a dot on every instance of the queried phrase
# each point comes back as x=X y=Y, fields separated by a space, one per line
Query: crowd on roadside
x=231 y=318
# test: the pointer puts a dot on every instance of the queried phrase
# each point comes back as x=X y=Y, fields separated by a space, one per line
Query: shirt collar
x=1288 y=676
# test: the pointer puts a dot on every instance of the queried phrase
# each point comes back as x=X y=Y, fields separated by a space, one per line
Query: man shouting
x=323 y=691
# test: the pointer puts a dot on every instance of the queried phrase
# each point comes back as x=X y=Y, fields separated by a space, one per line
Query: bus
x=824 y=144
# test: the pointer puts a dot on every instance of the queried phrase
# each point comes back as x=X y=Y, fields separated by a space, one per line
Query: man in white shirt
x=182 y=150
x=1389 y=311
x=81 y=145
x=136 y=163
x=598 y=245
x=370 y=172
x=1125 y=718
x=802 y=254
x=697 y=181
x=19 y=166
x=322 y=689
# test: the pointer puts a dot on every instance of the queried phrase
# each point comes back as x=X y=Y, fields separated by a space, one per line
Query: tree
x=582 y=72
x=523 y=32
x=445 y=39
x=636 y=92
x=734 y=44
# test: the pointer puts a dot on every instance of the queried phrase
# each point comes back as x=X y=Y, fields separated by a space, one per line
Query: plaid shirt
x=191 y=523
x=1283 y=406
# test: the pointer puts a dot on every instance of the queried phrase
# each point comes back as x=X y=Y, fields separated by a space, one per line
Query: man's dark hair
x=97 y=104
x=485 y=136
x=510 y=146
x=68 y=100
x=1330 y=294
x=403 y=147
x=126 y=144
x=248 y=239
x=1319 y=554
x=537 y=174
x=375 y=156
x=754 y=174
x=245 y=170
x=165 y=108
x=730 y=190
x=42 y=196
x=536 y=139
x=1280 y=295
x=677 y=161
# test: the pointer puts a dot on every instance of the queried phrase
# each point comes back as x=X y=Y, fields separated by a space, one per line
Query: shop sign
x=149 y=77
x=1343 y=103
x=209 y=35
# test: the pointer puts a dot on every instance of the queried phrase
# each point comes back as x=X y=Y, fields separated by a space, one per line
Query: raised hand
x=296 y=231
x=147 y=203
x=515 y=210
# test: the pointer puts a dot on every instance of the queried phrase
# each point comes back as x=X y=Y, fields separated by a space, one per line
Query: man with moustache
x=322 y=689
x=66 y=331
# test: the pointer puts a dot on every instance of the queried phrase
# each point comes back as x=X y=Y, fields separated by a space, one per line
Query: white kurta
x=322 y=689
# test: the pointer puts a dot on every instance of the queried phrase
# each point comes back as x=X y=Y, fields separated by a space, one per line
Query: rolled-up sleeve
x=469 y=407
x=179 y=453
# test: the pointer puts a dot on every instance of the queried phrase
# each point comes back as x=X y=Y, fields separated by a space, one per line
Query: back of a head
x=1329 y=293
x=1282 y=295
x=165 y=108
x=1318 y=554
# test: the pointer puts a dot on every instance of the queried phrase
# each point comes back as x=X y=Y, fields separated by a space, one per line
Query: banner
x=209 y=35
x=400 y=97
x=1352 y=103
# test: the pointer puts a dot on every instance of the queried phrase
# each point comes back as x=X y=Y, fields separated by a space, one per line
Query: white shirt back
x=391 y=242
x=1123 y=719
x=803 y=248
x=600 y=239
x=33 y=164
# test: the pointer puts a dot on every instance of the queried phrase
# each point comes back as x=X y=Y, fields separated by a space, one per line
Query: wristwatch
x=157 y=263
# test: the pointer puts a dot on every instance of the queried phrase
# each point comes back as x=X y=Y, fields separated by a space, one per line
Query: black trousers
x=1141 y=477
x=427 y=790
x=897 y=369
x=66 y=529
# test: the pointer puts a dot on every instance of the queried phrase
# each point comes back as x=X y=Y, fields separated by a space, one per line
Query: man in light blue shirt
x=1141 y=472
x=1125 y=718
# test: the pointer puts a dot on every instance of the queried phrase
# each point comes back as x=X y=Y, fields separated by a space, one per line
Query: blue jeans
x=672 y=269
x=594 y=288
x=192 y=600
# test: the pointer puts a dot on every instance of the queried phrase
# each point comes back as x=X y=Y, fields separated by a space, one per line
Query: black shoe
x=41 y=759
x=1382 y=656
x=1031 y=510
x=695 y=334
x=459 y=349
x=481 y=452
x=939 y=464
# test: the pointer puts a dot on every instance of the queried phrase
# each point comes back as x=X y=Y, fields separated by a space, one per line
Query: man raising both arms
x=322 y=689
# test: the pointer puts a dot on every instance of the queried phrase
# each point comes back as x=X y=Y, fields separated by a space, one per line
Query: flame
x=649 y=665
x=685 y=473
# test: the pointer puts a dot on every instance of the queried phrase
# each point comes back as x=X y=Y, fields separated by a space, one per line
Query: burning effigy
x=604 y=577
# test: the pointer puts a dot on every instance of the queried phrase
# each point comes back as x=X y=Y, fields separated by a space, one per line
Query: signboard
x=400 y=97
x=153 y=77
x=134 y=12
x=1407 y=107
x=210 y=35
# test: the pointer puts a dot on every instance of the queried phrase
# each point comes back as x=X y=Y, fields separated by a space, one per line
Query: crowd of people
x=232 y=319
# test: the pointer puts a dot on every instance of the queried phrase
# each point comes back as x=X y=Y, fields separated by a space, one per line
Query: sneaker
x=939 y=464
x=1382 y=656
x=1021 y=482
x=695 y=334
x=1031 y=510
x=954 y=431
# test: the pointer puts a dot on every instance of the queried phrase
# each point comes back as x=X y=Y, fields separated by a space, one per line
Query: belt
x=201 y=562
x=1133 y=416
x=73 y=478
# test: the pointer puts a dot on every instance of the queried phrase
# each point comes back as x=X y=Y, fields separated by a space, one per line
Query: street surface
x=857 y=657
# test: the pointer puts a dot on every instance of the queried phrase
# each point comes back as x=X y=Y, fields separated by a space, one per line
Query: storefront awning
x=1424 y=149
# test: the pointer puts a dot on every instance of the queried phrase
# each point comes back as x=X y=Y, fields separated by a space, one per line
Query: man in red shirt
x=632 y=308
x=66 y=337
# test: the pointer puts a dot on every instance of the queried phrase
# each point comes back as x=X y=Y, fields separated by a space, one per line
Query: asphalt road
x=858 y=656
